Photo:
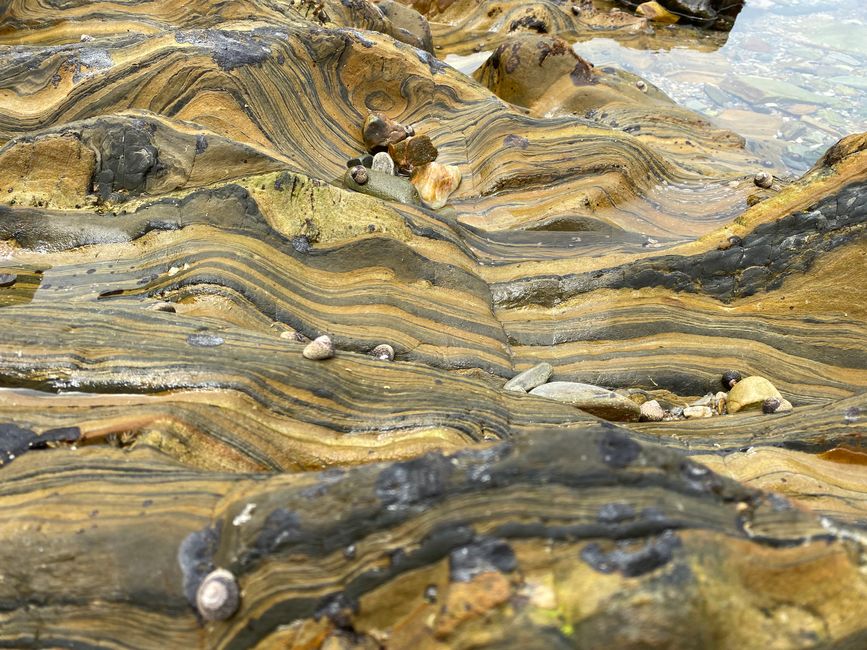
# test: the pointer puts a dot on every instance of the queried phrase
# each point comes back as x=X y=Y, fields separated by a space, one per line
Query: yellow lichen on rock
x=53 y=172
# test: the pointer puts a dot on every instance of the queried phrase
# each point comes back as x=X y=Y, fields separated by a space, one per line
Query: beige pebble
x=652 y=412
x=319 y=348
x=692 y=412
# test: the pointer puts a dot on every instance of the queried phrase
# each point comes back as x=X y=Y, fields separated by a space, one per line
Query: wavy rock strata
x=175 y=227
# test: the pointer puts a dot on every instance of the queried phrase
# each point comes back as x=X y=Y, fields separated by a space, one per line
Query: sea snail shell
x=359 y=175
x=383 y=352
x=218 y=596
x=730 y=378
x=763 y=179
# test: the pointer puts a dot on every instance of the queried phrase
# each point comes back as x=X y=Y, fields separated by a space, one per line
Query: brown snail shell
x=359 y=174
x=383 y=352
x=218 y=596
x=763 y=179
x=319 y=348
x=771 y=405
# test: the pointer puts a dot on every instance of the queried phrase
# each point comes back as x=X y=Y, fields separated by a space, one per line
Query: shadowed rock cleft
x=482 y=556
x=413 y=482
x=617 y=449
x=632 y=558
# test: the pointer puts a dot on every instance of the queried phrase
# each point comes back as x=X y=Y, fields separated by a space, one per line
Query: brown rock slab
x=381 y=131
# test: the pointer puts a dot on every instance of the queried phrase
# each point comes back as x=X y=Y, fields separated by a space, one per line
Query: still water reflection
x=790 y=78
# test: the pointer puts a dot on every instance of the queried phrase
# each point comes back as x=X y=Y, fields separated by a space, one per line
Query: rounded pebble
x=319 y=348
x=651 y=411
x=382 y=162
x=218 y=596
x=692 y=412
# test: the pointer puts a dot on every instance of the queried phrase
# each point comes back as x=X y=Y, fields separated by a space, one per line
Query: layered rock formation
x=176 y=226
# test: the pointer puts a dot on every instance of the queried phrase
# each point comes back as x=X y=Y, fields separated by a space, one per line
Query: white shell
x=218 y=596
x=319 y=348
x=383 y=352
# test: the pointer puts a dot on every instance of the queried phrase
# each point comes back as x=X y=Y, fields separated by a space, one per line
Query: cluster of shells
x=322 y=347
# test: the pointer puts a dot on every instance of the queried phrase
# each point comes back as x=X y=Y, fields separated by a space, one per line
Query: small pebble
x=771 y=405
x=294 y=336
x=763 y=179
x=641 y=86
x=692 y=412
x=435 y=183
x=380 y=131
x=704 y=401
x=413 y=152
x=530 y=378
x=576 y=11
x=382 y=162
x=383 y=352
x=86 y=38
x=652 y=412
x=319 y=348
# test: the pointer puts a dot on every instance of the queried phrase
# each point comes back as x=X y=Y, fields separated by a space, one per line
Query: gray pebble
x=529 y=379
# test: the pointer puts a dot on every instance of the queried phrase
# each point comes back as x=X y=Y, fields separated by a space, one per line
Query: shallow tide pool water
x=790 y=77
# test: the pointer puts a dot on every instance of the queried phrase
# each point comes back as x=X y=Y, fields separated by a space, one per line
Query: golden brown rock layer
x=175 y=227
